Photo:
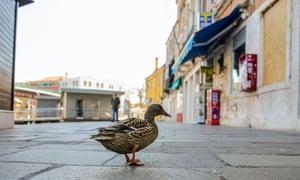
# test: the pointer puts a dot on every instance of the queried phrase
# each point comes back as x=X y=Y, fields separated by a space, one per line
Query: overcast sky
x=108 y=39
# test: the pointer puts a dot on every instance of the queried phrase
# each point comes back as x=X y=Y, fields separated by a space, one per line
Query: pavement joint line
x=113 y=157
x=219 y=158
x=5 y=154
x=219 y=173
x=259 y=167
x=29 y=162
x=283 y=154
x=40 y=172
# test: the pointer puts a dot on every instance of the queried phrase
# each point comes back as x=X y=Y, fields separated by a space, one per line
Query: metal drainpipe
x=14 y=56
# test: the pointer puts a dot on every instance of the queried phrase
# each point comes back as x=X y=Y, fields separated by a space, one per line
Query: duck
x=131 y=135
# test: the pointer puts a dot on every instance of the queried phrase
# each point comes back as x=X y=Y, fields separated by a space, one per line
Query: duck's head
x=155 y=110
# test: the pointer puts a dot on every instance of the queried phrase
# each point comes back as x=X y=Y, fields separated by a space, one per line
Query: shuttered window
x=275 y=43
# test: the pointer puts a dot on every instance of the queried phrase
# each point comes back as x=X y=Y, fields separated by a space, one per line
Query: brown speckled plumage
x=131 y=135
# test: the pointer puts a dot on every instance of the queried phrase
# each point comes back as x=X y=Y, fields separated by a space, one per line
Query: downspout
x=14 y=56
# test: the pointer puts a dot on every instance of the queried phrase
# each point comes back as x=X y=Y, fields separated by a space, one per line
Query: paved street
x=182 y=151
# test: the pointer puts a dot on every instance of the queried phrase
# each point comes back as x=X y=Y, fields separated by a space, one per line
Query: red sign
x=248 y=72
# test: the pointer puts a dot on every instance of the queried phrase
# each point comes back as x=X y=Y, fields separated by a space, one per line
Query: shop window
x=236 y=70
x=210 y=71
x=239 y=45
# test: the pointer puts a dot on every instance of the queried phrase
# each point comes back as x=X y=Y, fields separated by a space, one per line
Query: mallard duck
x=131 y=135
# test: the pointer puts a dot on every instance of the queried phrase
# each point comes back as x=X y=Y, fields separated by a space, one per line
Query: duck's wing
x=123 y=127
x=134 y=123
x=141 y=130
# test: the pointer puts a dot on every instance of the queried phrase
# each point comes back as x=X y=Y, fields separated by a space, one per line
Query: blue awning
x=177 y=83
x=207 y=36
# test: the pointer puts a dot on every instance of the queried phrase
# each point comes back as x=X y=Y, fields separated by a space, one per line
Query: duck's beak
x=166 y=114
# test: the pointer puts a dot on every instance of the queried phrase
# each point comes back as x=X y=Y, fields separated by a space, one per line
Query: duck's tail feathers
x=101 y=138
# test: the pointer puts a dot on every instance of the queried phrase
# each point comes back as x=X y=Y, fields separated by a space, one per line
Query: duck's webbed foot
x=133 y=161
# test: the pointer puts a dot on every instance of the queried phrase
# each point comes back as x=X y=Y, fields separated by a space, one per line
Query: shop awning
x=176 y=84
x=24 y=2
x=207 y=36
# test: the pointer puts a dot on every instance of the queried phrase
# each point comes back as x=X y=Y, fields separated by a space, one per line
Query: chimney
x=156 y=63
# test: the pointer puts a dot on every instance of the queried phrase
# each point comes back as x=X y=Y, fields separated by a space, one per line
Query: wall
x=7 y=120
x=7 y=35
x=154 y=86
x=94 y=106
x=295 y=54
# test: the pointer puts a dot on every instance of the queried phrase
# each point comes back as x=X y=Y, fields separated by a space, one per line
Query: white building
x=88 y=98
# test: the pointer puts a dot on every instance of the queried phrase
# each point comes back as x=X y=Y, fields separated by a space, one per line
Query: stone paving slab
x=16 y=171
x=166 y=160
x=126 y=173
x=260 y=173
x=79 y=146
x=64 y=157
x=250 y=160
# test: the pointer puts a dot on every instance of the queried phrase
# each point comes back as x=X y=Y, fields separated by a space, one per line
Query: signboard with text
x=205 y=19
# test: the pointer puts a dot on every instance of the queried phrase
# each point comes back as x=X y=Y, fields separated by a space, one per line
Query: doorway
x=79 y=111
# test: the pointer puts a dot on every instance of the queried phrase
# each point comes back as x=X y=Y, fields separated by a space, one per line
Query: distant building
x=88 y=98
x=154 y=85
x=51 y=84
x=8 y=19
x=32 y=105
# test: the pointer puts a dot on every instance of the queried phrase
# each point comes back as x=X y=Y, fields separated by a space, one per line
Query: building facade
x=154 y=85
x=8 y=19
x=87 y=98
x=265 y=29
x=35 y=105
x=51 y=84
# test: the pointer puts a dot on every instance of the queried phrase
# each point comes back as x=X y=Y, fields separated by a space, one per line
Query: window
x=239 y=45
x=220 y=60
x=209 y=72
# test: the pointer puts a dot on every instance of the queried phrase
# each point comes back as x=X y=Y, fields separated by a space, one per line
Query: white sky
x=108 y=39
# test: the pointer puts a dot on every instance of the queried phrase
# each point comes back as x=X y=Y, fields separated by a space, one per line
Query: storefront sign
x=205 y=19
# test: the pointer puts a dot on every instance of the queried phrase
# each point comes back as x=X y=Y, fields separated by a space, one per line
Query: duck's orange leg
x=133 y=161
x=127 y=158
